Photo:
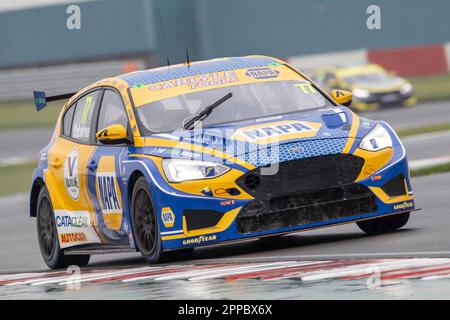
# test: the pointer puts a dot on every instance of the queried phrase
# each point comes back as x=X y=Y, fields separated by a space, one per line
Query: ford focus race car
x=372 y=86
x=165 y=160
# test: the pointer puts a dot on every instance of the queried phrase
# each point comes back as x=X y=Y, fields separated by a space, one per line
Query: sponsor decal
x=78 y=221
x=403 y=205
x=199 y=81
x=200 y=239
x=108 y=193
x=295 y=149
x=71 y=175
x=158 y=150
x=376 y=178
x=72 y=237
x=364 y=122
x=167 y=217
x=207 y=191
x=189 y=154
x=107 y=190
x=283 y=130
x=75 y=227
x=262 y=73
x=227 y=203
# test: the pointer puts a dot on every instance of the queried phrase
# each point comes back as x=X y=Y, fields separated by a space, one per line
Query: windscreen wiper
x=206 y=111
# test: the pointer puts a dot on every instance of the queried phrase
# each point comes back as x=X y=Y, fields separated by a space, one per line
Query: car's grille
x=304 y=174
x=198 y=219
x=300 y=208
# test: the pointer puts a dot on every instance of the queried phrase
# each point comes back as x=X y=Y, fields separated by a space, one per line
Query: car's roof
x=146 y=77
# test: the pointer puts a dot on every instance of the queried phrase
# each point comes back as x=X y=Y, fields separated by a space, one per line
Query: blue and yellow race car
x=165 y=160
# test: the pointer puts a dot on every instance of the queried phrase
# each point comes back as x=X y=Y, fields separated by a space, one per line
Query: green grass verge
x=24 y=115
x=440 y=168
x=425 y=129
x=430 y=88
x=16 y=178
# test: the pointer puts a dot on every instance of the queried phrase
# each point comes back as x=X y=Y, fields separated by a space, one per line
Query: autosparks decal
x=200 y=239
x=277 y=131
x=199 y=81
x=75 y=237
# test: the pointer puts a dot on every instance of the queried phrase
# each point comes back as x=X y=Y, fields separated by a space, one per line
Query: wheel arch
x=36 y=187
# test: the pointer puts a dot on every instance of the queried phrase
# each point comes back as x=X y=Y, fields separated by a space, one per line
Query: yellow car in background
x=372 y=86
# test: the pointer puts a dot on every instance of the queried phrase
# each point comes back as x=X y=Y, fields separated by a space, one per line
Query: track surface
x=338 y=262
x=425 y=235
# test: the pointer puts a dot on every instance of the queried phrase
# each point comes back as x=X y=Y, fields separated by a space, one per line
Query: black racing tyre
x=51 y=252
x=145 y=223
x=384 y=224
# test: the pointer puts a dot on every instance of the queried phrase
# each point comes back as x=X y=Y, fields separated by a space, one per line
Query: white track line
x=174 y=269
x=221 y=270
x=255 y=269
x=72 y=279
x=370 y=267
x=329 y=256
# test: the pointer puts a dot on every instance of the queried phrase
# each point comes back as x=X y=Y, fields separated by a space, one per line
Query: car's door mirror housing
x=342 y=97
x=114 y=134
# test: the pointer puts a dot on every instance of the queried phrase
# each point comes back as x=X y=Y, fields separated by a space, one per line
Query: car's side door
x=105 y=179
x=66 y=174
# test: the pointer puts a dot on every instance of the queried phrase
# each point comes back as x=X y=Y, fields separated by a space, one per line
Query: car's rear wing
x=40 y=99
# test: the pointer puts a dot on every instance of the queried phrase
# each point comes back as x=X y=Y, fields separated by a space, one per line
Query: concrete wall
x=111 y=28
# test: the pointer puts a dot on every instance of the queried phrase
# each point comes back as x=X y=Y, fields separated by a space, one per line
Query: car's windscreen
x=367 y=77
x=248 y=101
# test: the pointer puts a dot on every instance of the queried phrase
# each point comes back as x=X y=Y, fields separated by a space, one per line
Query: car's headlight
x=407 y=88
x=178 y=170
x=361 y=93
x=377 y=139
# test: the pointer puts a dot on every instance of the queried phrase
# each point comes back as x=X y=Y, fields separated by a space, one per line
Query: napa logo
x=71 y=175
x=167 y=217
x=277 y=131
x=262 y=73
x=108 y=193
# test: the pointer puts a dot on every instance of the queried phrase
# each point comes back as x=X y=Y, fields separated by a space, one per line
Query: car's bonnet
x=310 y=127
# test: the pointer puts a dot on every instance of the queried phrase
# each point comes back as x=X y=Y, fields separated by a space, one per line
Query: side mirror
x=342 y=97
x=114 y=134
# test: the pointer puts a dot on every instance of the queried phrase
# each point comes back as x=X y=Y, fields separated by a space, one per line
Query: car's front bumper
x=209 y=219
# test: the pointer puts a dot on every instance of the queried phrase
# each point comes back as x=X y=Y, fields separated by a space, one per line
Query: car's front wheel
x=51 y=252
x=145 y=224
x=384 y=224
x=146 y=229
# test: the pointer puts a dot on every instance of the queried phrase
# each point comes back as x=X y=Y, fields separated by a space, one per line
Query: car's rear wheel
x=51 y=252
x=384 y=224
